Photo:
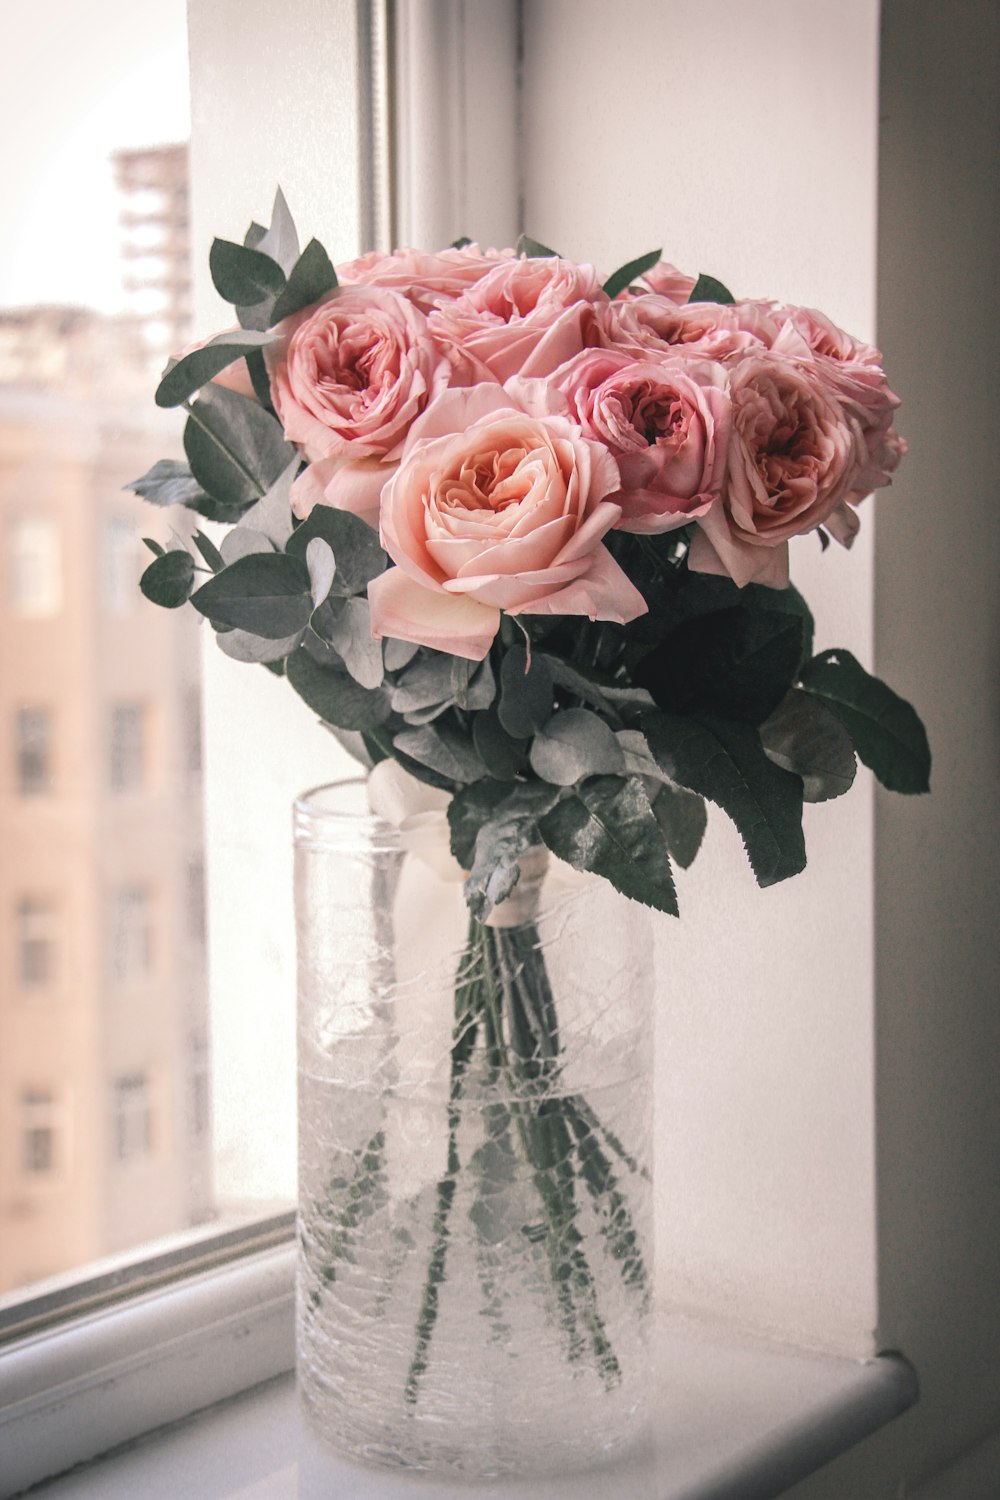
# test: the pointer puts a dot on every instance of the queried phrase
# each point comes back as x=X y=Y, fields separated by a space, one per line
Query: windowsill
x=734 y=1420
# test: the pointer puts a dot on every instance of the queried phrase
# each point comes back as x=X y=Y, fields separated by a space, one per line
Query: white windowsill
x=735 y=1420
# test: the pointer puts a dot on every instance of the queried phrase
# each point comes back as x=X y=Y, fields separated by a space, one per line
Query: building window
x=38 y=1133
x=198 y=1090
x=33 y=734
x=36 y=943
x=133 y=1133
x=131 y=935
x=120 y=566
x=127 y=747
x=35 y=573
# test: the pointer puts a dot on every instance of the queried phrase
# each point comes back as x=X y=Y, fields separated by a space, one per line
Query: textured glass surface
x=475 y=1194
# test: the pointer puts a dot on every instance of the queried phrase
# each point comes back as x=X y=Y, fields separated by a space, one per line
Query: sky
x=79 y=81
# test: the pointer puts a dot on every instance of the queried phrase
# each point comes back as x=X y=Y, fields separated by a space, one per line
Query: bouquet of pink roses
x=525 y=530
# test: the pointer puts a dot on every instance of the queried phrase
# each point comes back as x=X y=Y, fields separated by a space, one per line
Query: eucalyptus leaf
x=168 y=482
x=805 y=736
x=573 y=744
x=724 y=761
x=682 y=818
x=707 y=289
x=607 y=826
x=347 y=625
x=479 y=690
x=886 y=732
x=243 y=275
x=280 y=240
x=272 y=513
x=243 y=541
x=209 y=551
x=311 y=277
x=241 y=645
x=154 y=546
x=169 y=579
x=533 y=249
x=398 y=654
x=335 y=696
x=443 y=747
x=639 y=759
x=266 y=594
x=525 y=692
x=236 y=449
x=322 y=566
x=188 y=374
x=432 y=681
x=601 y=692
x=631 y=271
x=355 y=547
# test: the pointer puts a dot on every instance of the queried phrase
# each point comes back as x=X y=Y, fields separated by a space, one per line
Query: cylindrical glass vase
x=475 y=1154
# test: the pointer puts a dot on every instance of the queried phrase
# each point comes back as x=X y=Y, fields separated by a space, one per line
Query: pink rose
x=653 y=323
x=425 y=279
x=665 y=421
x=667 y=281
x=493 y=509
x=353 y=376
x=792 y=459
x=524 y=317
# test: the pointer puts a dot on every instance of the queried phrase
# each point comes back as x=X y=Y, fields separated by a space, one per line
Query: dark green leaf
x=499 y=844
x=479 y=690
x=525 y=693
x=259 y=379
x=335 y=696
x=886 y=730
x=169 y=579
x=209 y=551
x=444 y=747
x=682 y=819
x=533 y=249
x=707 y=289
x=431 y=681
x=631 y=271
x=575 y=743
x=254 y=235
x=738 y=663
x=154 y=547
x=235 y=449
x=272 y=513
x=241 y=275
x=168 y=482
x=242 y=645
x=355 y=546
x=311 y=277
x=460 y=243
x=473 y=806
x=502 y=754
x=725 y=762
x=266 y=594
x=196 y=369
x=807 y=738
x=607 y=825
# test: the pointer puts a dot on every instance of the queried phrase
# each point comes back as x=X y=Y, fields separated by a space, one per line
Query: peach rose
x=353 y=375
x=525 y=317
x=665 y=421
x=654 y=324
x=792 y=460
x=493 y=509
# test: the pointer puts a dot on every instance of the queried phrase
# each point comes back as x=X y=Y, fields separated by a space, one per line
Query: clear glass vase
x=475 y=1143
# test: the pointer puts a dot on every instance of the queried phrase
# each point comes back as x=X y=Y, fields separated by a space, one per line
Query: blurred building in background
x=104 y=1097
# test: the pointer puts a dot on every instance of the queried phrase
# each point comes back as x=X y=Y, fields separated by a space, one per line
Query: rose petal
x=604 y=592
x=401 y=608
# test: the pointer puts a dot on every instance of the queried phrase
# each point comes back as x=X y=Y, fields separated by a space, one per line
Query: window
x=120 y=565
x=36 y=943
x=131 y=935
x=35 y=573
x=38 y=1133
x=132 y=1133
x=33 y=735
x=127 y=747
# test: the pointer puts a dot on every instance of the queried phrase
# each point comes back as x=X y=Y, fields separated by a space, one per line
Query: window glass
x=102 y=864
x=33 y=739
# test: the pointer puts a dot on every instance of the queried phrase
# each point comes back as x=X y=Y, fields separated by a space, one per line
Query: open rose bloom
x=495 y=416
